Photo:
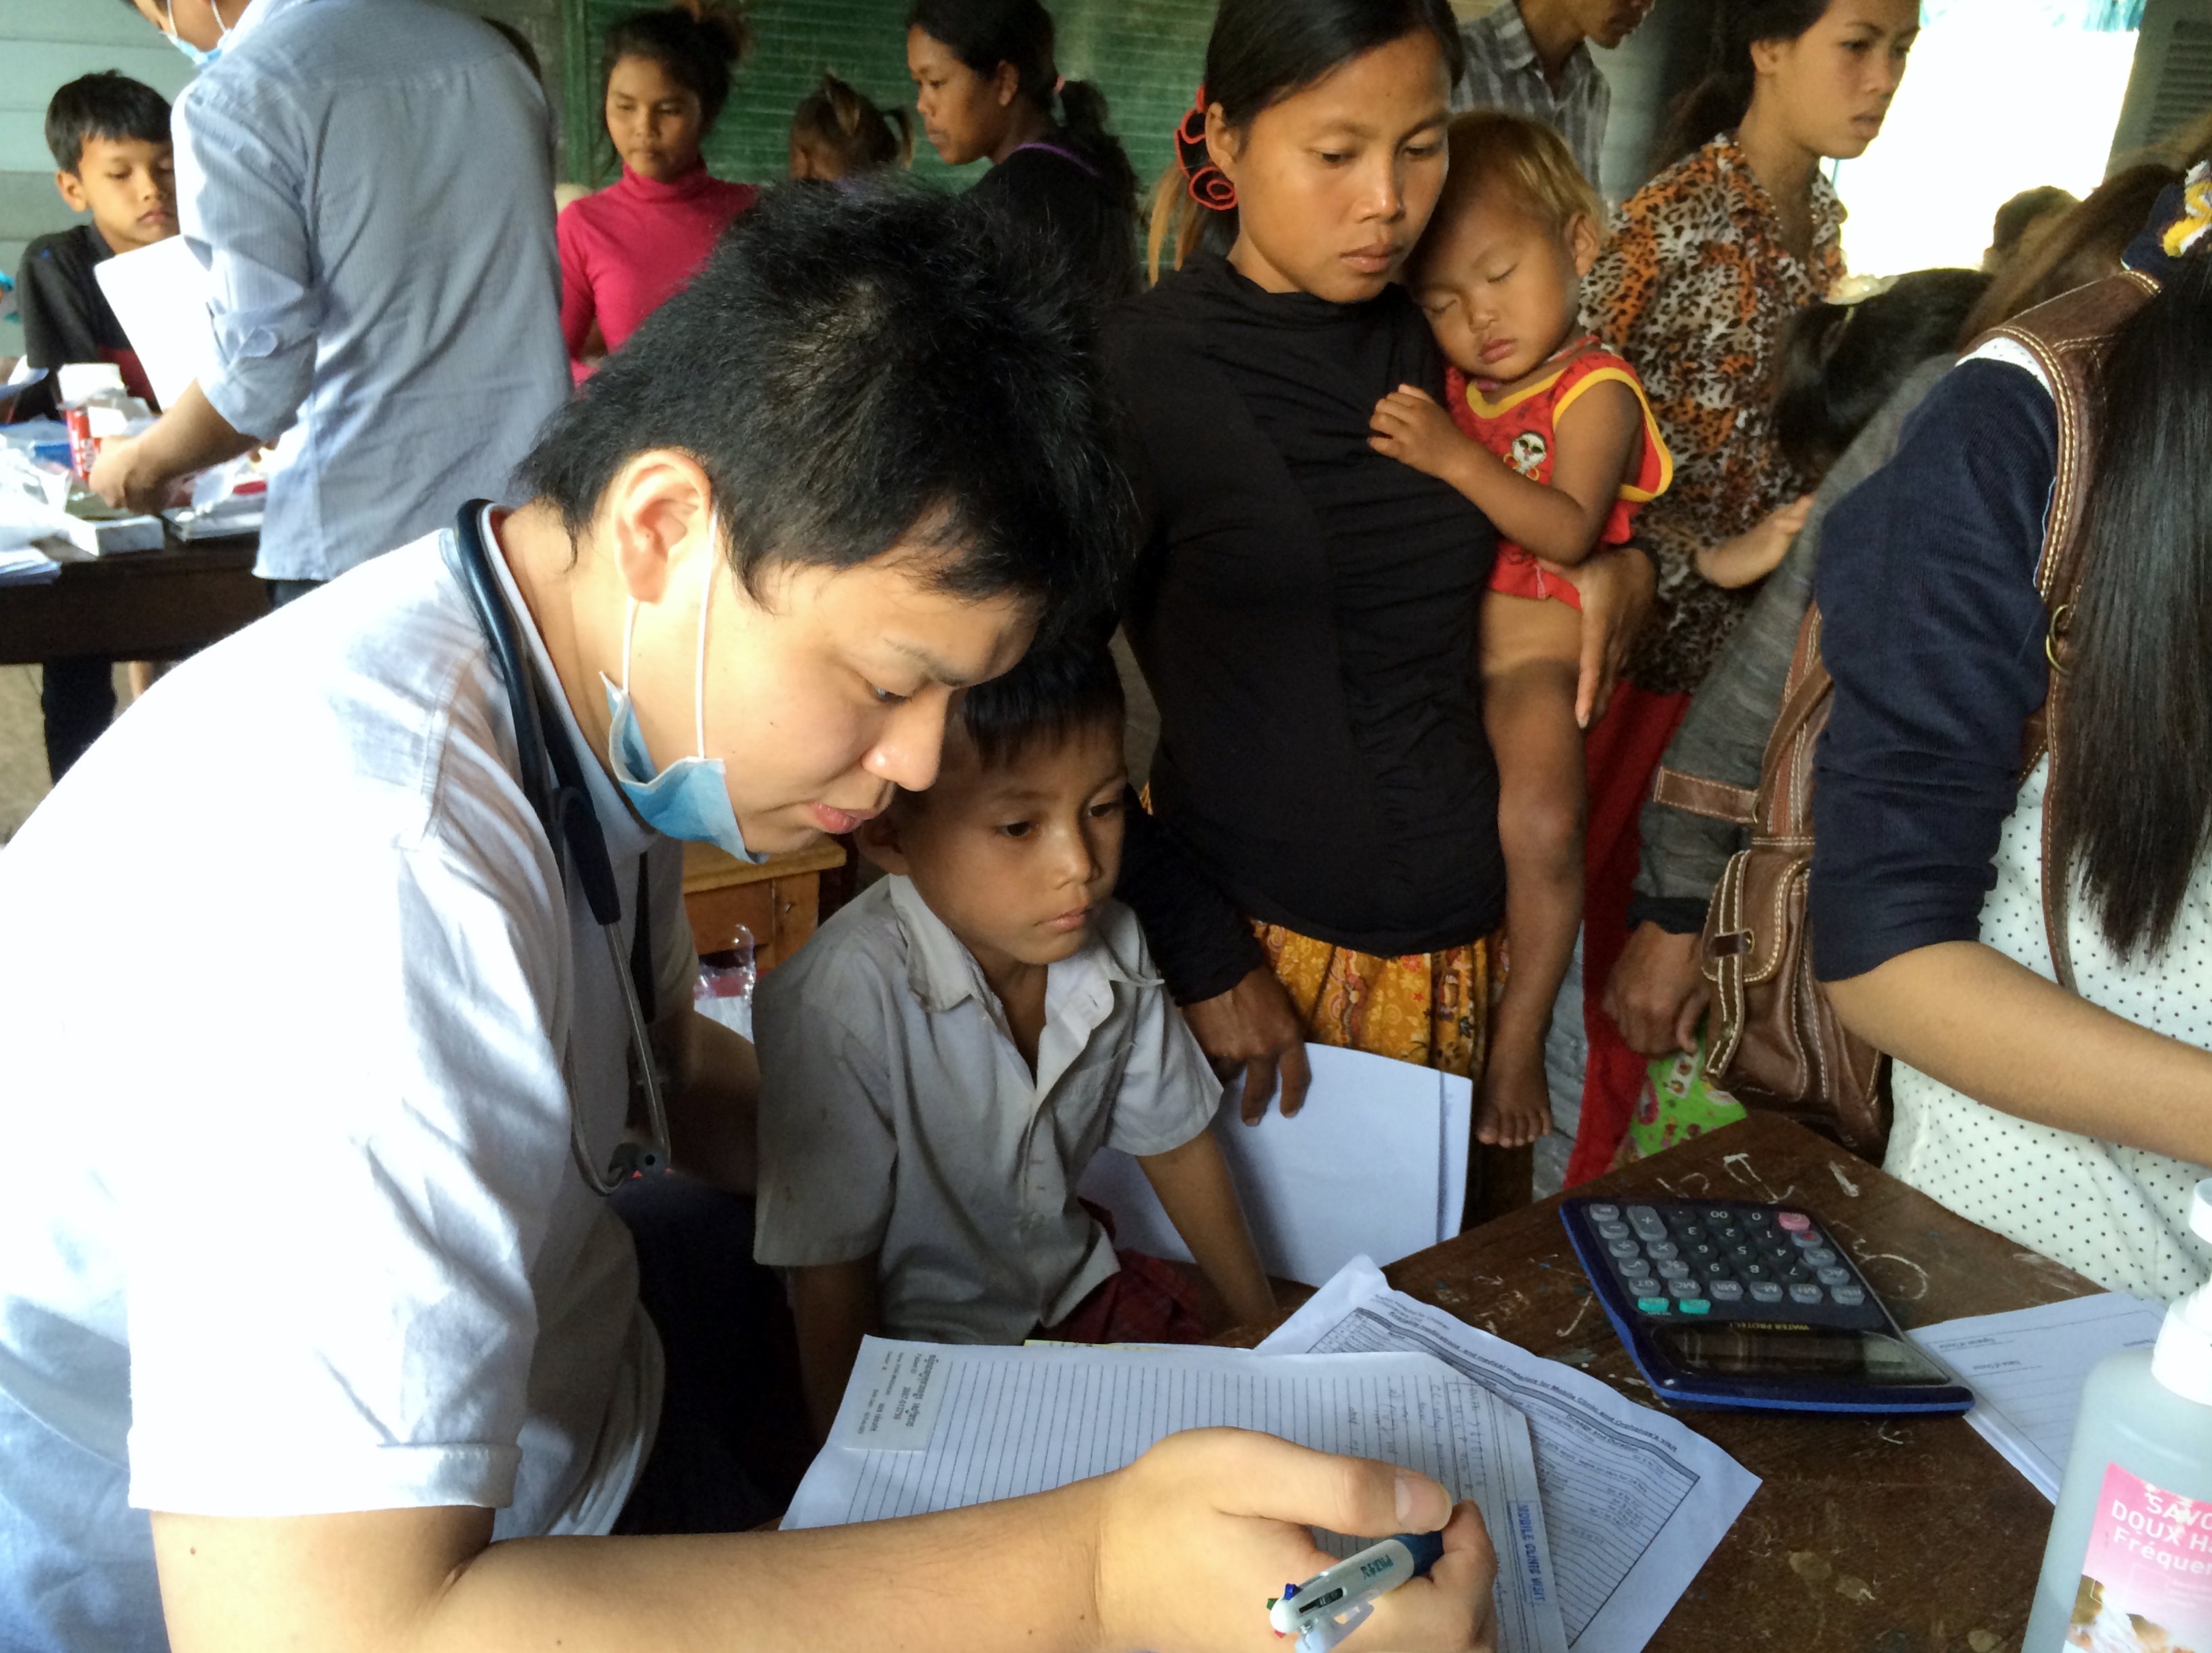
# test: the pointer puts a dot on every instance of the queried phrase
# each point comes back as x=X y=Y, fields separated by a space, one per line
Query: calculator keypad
x=1728 y=1262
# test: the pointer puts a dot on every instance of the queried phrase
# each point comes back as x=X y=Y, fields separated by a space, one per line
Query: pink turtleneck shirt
x=625 y=251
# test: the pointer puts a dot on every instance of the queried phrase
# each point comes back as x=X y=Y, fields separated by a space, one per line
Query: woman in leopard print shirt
x=1697 y=290
x=1708 y=263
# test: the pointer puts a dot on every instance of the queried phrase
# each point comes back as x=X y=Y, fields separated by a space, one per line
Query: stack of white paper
x=1375 y=1165
x=2026 y=1369
x=27 y=565
x=1634 y=1501
x=928 y=1426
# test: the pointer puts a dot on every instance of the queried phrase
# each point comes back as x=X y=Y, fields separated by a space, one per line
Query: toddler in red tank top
x=1550 y=434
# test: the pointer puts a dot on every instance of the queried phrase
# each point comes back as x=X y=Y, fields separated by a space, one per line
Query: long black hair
x=1719 y=102
x=698 y=47
x=1261 y=51
x=984 y=34
x=2132 y=803
x=1840 y=363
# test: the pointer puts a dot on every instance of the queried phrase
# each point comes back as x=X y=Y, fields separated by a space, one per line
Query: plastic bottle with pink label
x=2128 y=1568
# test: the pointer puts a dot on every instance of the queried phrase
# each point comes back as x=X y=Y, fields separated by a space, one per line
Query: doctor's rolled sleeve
x=266 y=307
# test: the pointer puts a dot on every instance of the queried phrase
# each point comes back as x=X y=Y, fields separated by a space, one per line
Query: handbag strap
x=1694 y=795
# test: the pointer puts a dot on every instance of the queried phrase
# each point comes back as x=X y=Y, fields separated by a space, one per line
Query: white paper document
x=1634 y=1501
x=1334 y=1182
x=932 y=1426
x=2026 y=1369
x=160 y=294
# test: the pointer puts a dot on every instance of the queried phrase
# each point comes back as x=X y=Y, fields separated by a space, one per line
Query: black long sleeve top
x=1058 y=195
x=66 y=317
x=1934 y=632
x=1305 y=611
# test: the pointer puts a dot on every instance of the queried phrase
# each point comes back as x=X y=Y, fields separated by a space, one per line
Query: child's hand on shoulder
x=1412 y=428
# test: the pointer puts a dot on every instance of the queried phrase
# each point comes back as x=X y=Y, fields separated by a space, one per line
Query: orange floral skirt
x=1429 y=1009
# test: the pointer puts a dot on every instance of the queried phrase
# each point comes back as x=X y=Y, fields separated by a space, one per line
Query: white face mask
x=690 y=798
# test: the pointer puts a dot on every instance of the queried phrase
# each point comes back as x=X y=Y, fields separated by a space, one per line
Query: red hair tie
x=1208 y=185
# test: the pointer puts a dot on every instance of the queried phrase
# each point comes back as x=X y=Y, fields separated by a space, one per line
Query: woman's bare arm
x=1966 y=1014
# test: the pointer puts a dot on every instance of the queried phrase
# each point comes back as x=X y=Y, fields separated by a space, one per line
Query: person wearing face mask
x=368 y=183
x=313 y=1325
x=625 y=250
x=1533 y=58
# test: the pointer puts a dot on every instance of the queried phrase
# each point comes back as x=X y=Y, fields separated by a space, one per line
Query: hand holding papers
x=1633 y=1501
x=926 y=1427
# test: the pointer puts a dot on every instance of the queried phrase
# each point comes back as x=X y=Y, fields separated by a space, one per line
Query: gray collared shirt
x=1504 y=72
x=369 y=184
x=898 y=1118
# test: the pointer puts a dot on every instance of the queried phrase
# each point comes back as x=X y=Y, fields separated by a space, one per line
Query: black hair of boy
x=108 y=105
x=854 y=368
x=1055 y=693
x=1840 y=363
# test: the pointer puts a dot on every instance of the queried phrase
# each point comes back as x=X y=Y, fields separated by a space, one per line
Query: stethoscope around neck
x=552 y=778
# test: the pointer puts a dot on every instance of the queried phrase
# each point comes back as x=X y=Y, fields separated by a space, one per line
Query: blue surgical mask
x=690 y=798
x=200 y=56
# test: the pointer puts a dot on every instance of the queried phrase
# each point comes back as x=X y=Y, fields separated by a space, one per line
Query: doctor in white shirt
x=314 y=1330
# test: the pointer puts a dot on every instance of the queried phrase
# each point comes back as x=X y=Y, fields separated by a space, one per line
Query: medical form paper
x=928 y=1426
x=2026 y=1369
x=1633 y=1502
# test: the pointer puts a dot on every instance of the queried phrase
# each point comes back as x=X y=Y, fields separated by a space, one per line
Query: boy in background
x=109 y=138
x=941 y=1061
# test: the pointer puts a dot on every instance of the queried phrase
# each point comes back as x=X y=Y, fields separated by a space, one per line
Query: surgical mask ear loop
x=699 y=659
x=215 y=6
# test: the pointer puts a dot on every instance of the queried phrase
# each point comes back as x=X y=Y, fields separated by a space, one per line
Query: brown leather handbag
x=1774 y=1039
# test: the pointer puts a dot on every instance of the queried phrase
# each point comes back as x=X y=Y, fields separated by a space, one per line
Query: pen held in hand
x=1335 y=1602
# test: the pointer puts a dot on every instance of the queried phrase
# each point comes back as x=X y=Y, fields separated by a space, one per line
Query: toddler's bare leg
x=1531 y=650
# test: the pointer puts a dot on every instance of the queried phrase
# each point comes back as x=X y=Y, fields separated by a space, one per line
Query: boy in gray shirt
x=941 y=1061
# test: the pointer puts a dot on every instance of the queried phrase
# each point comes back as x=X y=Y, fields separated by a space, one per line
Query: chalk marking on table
x=1891 y=1257
x=1581 y=1309
x=1884 y=1432
x=1855 y=1589
x=1842 y=1181
x=1811 y=1566
x=1749 y=1173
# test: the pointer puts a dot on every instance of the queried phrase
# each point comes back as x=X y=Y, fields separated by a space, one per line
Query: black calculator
x=1728 y=1304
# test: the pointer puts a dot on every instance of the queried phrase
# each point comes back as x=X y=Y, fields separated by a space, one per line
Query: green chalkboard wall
x=1146 y=54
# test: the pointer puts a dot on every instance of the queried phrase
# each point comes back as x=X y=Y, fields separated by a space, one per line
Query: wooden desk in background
x=135 y=604
x=1867 y=1535
x=780 y=900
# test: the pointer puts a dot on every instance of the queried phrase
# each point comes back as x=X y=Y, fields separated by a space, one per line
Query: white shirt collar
x=626 y=834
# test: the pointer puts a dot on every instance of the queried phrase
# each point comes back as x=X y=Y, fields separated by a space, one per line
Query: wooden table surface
x=1870 y=1535
x=134 y=605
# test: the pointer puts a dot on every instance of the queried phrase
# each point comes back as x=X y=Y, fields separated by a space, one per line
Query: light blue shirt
x=369 y=183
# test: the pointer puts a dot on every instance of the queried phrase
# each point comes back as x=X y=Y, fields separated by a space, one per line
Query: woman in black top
x=1306 y=609
x=986 y=88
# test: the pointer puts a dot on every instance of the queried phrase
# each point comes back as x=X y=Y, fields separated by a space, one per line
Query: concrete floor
x=24 y=743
